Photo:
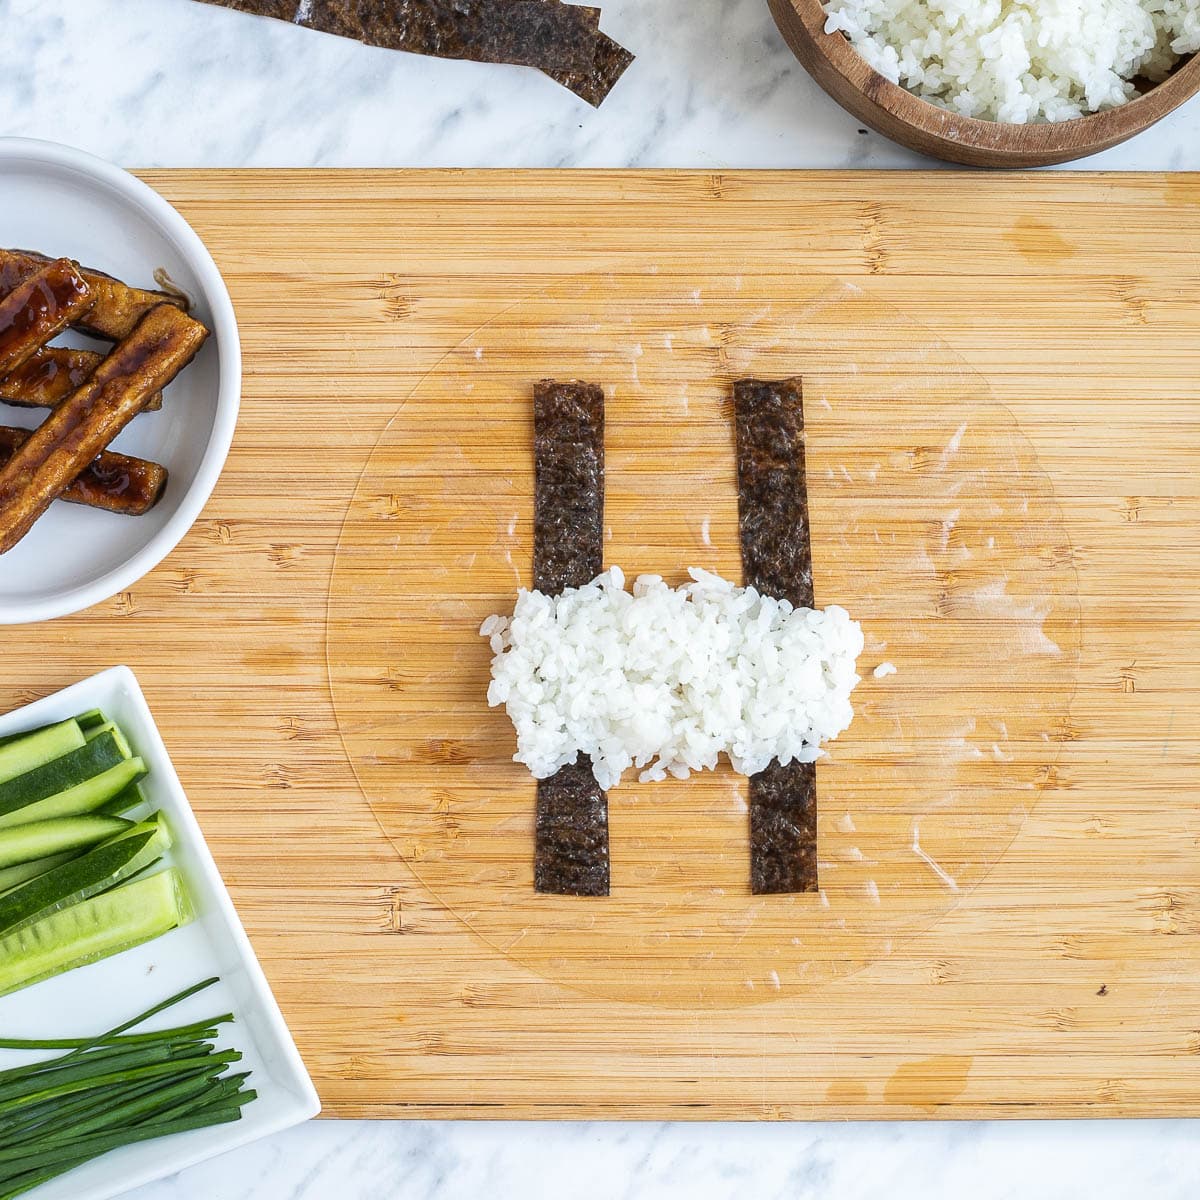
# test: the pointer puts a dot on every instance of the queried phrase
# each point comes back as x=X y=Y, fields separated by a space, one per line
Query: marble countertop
x=713 y=87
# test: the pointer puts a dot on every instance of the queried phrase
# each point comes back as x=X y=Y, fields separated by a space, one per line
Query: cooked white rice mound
x=670 y=679
x=1020 y=60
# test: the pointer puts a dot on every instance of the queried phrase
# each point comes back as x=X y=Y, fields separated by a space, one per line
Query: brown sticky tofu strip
x=38 y=307
x=777 y=560
x=113 y=482
x=115 y=308
x=563 y=40
x=571 y=854
x=164 y=341
x=51 y=375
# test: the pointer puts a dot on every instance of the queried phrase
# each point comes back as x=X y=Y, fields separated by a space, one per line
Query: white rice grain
x=1020 y=61
x=666 y=680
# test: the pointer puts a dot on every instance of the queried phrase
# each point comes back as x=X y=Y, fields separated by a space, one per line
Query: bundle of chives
x=111 y=1091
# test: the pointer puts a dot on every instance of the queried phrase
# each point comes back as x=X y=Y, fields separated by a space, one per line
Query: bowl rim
x=1078 y=136
x=145 y=200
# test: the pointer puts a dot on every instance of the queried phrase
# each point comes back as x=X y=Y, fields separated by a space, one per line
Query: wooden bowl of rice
x=930 y=129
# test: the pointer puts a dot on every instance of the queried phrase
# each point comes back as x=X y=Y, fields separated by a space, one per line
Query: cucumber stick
x=11 y=877
x=127 y=798
x=102 y=867
x=86 y=932
x=90 y=719
x=85 y=797
x=93 y=758
x=109 y=728
x=25 y=753
x=40 y=839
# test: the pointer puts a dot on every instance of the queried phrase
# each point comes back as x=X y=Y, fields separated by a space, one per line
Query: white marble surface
x=183 y=84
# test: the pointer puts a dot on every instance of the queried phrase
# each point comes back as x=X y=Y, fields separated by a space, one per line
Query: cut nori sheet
x=571 y=856
x=562 y=40
x=572 y=834
x=777 y=560
x=772 y=493
x=593 y=85
x=568 y=499
x=783 y=829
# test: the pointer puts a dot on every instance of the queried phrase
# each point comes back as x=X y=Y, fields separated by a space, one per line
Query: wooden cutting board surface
x=1004 y=444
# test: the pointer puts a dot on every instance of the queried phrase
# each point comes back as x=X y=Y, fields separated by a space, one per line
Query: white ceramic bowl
x=101 y=995
x=63 y=202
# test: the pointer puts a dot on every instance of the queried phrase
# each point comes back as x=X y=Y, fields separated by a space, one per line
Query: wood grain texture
x=1065 y=982
x=929 y=129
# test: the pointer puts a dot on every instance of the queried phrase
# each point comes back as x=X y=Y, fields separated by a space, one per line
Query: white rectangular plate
x=102 y=995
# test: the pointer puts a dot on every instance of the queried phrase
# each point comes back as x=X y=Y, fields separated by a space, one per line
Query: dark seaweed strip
x=568 y=511
x=562 y=40
x=783 y=829
x=528 y=33
x=777 y=560
x=572 y=834
x=608 y=65
x=571 y=856
x=772 y=497
x=280 y=10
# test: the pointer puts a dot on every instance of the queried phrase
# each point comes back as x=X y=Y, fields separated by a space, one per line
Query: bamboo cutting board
x=1003 y=441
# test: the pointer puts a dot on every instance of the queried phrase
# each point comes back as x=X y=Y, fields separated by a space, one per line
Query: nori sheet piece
x=609 y=63
x=568 y=501
x=772 y=495
x=572 y=834
x=777 y=560
x=571 y=856
x=783 y=829
x=562 y=40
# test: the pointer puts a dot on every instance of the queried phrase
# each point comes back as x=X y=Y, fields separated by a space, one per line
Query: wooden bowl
x=898 y=114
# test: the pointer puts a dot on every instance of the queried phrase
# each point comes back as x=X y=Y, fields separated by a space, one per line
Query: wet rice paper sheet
x=571 y=856
x=562 y=40
x=777 y=560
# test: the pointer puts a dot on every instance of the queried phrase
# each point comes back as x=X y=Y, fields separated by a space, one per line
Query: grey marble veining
x=176 y=83
x=363 y=1160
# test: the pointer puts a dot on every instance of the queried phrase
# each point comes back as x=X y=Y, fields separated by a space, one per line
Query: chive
x=61 y=1112
x=93 y=1147
x=104 y=1062
x=82 y=1044
x=33 y=1112
x=110 y=1091
x=32 y=1179
x=199 y=1028
x=151 y=1070
x=169 y=1002
x=222 y=1089
x=116 y=1114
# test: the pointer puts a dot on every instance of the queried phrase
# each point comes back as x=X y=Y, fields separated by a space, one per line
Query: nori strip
x=593 y=85
x=562 y=40
x=572 y=834
x=568 y=509
x=571 y=855
x=777 y=560
x=772 y=496
x=783 y=829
